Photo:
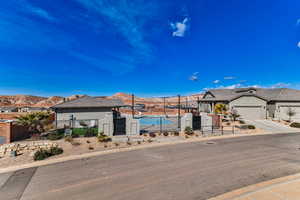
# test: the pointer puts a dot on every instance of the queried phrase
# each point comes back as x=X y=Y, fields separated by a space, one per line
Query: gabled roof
x=90 y=102
x=271 y=94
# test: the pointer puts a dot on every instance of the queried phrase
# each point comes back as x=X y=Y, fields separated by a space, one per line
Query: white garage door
x=250 y=112
x=284 y=109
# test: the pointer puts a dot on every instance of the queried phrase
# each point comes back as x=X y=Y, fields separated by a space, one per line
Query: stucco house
x=255 y=103
x=97 y=110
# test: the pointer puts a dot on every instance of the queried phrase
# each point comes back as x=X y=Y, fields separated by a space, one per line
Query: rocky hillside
x=37 y=101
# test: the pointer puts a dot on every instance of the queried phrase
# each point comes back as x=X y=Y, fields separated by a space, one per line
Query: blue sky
x=150 y=48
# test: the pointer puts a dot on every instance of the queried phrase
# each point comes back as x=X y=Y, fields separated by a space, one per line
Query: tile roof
x=90 y=102
x=271 y=94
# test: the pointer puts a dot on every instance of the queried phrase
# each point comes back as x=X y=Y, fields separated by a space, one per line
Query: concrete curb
x=98 y=153
x=242 y=192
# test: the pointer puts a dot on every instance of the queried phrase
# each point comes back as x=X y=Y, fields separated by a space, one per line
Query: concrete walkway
x=285 y=188
x=271 y=127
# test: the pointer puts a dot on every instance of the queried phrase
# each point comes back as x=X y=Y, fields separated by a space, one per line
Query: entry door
x=120 y=126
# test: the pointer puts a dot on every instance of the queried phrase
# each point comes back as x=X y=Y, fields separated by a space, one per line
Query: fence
x=223 y=130
x=159 y=123
x=79 y=127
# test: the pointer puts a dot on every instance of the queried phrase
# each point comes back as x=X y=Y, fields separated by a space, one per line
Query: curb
x=99 y=153
x=248 y=190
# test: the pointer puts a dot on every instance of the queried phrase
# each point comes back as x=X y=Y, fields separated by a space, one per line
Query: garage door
x=284 y=109
x=250 y=112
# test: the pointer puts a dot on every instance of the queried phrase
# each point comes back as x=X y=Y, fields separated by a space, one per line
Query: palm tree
x=35 y=121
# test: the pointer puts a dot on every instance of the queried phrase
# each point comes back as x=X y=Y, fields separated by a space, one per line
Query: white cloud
x=216 y=81
x=298 y=44
x=298 y=21
x=229 y=77
x=180 y=28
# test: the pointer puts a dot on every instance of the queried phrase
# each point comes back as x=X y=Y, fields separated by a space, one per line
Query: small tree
x=35 y=122
x=234 y=115
x=220 y=108
x=290 y=112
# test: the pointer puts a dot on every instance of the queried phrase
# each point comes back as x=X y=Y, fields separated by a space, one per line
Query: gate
x=196 y=122
x=120 y=126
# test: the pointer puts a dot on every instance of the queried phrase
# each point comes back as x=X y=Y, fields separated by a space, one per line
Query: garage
x=250 y=112
x=283 y=110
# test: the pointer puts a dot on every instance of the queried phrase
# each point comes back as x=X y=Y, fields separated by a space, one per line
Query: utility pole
x=179 y=107
x=132 y=105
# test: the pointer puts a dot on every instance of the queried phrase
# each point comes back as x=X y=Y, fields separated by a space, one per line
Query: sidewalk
x=285 y=188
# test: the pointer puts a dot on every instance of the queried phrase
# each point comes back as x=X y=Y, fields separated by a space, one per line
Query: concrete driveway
x=270 y=126
x=195 y=171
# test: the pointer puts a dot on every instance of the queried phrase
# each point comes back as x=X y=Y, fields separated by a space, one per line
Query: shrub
x=117 y=144
x=88 y=141
x=186 y=136
x=251 y=127
x=41 y=155
x=69 y=139
x=128 y=143
x=166 y=133
x=149 y=140
x=56 y=151
x=176 y=133
x=153 y=135
x=75 y=143
x=105 y=146
x=90 y=133
x=91 y=148
x=55 y=136
x=242 y=122
x=188 y=130
x=295 y=125
x=139 y=142
x=103 y=138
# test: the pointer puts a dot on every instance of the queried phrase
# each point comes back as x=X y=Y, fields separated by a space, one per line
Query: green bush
x=295 y=125
x=42 y=154
x=251 y=127
x=57 y=135
x=188 y=130
x=55 y=151
x=86 y=132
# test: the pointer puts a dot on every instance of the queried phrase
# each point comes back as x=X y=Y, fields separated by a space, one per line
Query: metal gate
x=120 y=126
x=196 y=122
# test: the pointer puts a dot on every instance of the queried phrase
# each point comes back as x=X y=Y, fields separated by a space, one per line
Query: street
x=195 y=171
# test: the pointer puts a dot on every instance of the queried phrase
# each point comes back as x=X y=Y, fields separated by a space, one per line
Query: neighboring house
x=32 y=109
x=8 y=109
x=103 y=110
x=255 y=103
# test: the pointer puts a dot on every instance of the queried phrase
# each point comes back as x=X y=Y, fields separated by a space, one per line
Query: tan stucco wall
x=280 y=111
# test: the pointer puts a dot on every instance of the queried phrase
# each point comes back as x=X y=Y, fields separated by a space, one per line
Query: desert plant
x=128 y=143
x=56 y=151
x=105 y=146
x=220 y=108
x=186 y=137
x=228 y=123
x=295 y=125
x=41 y=154
x=139 y=142
x=90 y=148
x=176 y=133
x=153 y=135
x=55 y=135
x=166 y=134
x=36 y=121
x=188 y=130
x=242 y=122
x=251 y=127
x=117 y=144
x=88 y=141
x=68 y=139
x=103 y=138
x=234 y=115
x=74 y=143
x=149 y=140
x=290 y=112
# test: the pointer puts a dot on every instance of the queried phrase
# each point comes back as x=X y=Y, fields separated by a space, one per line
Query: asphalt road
x=185 y=171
